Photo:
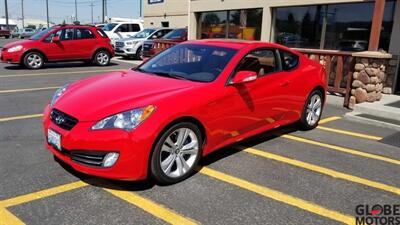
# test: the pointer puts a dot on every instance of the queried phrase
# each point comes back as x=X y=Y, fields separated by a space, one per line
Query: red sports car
x=60 y=43
x=186 y=102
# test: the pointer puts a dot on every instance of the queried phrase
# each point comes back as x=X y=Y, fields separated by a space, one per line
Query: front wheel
x=102 y=58
x=176 y=153
x=139 y=53
x=312 y=111
x=34 y=60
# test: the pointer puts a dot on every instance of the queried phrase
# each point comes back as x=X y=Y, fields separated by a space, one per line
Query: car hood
x=15 y=43
x=95 y=98
x=131 y=39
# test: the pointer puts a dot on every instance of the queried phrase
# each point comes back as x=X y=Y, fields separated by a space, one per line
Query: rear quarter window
x=289 y=60
x=102 y=33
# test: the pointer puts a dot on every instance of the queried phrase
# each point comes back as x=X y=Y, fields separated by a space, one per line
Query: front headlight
x=126 y=120
x=58 y=94
x=130 y=43
x=15 y=49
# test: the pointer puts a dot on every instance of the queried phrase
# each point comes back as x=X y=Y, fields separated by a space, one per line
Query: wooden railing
x=339 y=68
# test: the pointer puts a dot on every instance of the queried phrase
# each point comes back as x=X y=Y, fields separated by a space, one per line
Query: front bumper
x=13 y=57
x=133 y=149
x=125 y=51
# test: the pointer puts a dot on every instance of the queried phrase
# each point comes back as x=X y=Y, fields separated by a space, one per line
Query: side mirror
x=154 y=37
x=244 y=77
x=55 y=39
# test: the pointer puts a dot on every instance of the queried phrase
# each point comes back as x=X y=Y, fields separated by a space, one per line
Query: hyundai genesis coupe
x=158 y=119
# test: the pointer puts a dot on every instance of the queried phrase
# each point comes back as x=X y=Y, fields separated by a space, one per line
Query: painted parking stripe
x=350 y=133
x=329 y=119
x=28 y=89
x=279 y=196
x=8 y=218
x=6 y=119
x=151 y=207
x=323 y=170
x=59 y=73
x=342 y=149
x=41 y=194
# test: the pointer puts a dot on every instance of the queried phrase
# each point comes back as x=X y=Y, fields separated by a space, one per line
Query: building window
x=237 y=24
x=343 y=27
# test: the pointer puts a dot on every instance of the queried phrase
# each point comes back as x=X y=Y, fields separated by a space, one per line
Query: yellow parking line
x=28 y=89
x=7 y=218
x=279 y=196
x=59 y=73
x=323 y=170
x=6 y=119
x=41 y=194
x=342 y=149
x=151 y=207
x=329 y=119
x=350 y=133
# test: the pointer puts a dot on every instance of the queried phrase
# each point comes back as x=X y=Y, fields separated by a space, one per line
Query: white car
x=120 y=30
x=133 y=47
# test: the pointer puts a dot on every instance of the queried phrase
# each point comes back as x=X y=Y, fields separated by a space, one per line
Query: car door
x=85 y=42
x=256 y=104
x=64 y=49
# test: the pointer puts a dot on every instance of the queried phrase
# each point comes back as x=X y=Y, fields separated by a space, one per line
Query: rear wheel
x=176 y=153
x=34 y=60
x=102 y=58
x=312 y=111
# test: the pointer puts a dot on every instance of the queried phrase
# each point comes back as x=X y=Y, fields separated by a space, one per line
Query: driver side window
x=50 y=37
x=262 y=62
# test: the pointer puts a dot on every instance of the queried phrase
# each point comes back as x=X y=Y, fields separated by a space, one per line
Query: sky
x=60 y=10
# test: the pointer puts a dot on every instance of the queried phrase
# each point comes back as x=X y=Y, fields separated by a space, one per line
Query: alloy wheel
x=179 y=152
x=102 y=58
x=314 y=109
x=34 y=61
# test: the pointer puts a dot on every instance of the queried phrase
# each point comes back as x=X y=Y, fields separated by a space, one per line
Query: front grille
x=89 y=158
x=119 y=44
x=63 y=120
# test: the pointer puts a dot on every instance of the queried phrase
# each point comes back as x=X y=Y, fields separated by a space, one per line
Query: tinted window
x=102 y=33
x=289 y=60
x=144 y=33
x=109 y=26
x=50 y=37
x=40 y=34
x=176 y=34
x=82 y=33
x=192 y=62
x=261 y=61
x=133 y=27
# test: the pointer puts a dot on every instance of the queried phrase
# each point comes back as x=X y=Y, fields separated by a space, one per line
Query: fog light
x=110 y=159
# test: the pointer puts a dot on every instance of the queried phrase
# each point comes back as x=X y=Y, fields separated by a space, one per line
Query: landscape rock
x=359 y=67
x=371 y=97
x=352 y=102
x=371 y=71
x=364 y=61
x=387 y=90
x=355 y=75
x=374 y=80
x=357 y=83
x=370 y=87
x=360 y=95
x=363 y=77
x=378 y=96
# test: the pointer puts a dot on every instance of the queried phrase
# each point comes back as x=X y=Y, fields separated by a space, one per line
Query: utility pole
x=103 y=14
x=76 y=11
x=47 y=13
x=91 y=5
x=140 y=12
x=22 y=8
x=6 y=11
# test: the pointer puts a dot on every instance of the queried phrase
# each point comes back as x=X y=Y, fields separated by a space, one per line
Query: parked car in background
x=133 y=47
x=5 y=33
x=159 y=119
x=25 y=33
x=152 y=47
x=119 y=30
x=60 y=43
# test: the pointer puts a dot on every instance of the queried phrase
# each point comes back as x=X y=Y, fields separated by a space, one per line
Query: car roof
x=233 y=43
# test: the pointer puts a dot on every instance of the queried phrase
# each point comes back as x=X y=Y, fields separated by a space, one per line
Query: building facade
x=343 y=25
x=165 y=13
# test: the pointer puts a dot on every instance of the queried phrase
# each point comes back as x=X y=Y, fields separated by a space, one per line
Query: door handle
x=285 y=83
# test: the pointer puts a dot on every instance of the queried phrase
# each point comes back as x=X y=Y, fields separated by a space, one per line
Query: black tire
x=139 y=53
x=155 y=161
x=28 y=60
x=102 y=58
x=7 y=37
x=305 y=123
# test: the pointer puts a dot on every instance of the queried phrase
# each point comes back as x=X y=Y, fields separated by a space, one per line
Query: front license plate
x=54 y=139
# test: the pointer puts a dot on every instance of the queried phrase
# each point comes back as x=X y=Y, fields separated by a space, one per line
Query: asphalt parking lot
x=283 y=177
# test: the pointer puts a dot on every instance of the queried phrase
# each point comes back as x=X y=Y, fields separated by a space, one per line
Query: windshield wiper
x=164 y=74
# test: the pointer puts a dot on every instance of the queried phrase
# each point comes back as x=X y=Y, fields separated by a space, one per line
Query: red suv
x=60 y=43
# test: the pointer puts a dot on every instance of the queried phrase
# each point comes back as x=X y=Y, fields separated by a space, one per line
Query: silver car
x=24 y=33
x=133 y=47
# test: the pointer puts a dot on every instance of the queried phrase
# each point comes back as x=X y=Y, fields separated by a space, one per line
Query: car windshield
x=40 y=34
x=144 y=33
x=109 y=26
x=195 y=62
x=175 y=34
